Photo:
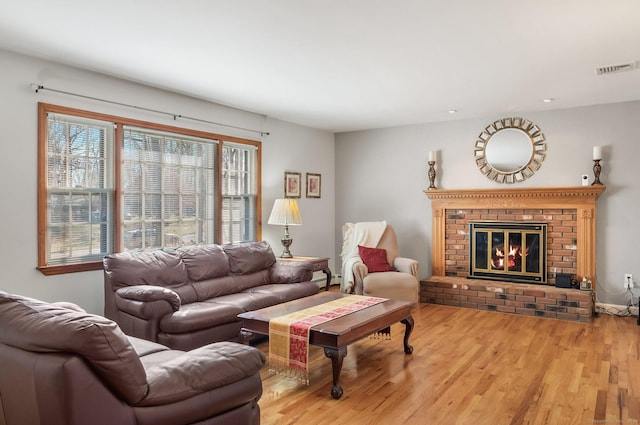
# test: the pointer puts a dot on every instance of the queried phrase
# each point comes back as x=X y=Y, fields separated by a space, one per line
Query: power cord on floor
x=616 y=311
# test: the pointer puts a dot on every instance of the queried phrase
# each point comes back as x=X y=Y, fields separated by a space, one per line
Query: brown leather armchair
x=399 y=282
x=62 y=366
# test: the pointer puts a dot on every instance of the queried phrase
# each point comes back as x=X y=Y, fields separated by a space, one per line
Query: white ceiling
x=347 y=65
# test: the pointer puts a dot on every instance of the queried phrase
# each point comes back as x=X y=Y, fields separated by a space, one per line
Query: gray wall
x=288 y=147
x=383 y=173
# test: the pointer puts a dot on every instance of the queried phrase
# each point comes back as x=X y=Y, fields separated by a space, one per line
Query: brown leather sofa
x=62 y=366
x=191 y=296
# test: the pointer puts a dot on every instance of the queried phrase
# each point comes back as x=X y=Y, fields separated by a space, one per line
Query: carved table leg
x=408 y=322
x=336 y=356
x=327 y=272
x=245 y=336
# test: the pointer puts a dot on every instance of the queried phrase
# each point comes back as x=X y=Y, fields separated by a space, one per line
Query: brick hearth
x=517 y=298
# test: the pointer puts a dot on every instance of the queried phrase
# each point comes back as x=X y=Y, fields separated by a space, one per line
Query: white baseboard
x=615 y=309
x=321 y=279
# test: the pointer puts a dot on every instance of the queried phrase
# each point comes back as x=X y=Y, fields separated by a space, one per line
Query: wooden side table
x=319 y=264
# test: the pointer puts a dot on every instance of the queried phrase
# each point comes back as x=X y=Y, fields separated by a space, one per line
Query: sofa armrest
x=291 y=272
x=200 y=370
x=360 y=271
x=147 y=301
x=406 y=265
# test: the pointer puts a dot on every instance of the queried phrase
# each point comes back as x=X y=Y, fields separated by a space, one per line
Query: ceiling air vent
x=612 y=69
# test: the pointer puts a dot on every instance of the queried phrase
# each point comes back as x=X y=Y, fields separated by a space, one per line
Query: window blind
x=168 y=189
x=80 y=188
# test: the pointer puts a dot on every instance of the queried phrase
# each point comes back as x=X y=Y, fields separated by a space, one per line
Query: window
x=110 y=184
x=168 y=190
x=79 y=189
x=239 y=192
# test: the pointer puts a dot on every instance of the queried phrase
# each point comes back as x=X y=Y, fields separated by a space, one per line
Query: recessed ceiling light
x=452 y=111
x=548 y=100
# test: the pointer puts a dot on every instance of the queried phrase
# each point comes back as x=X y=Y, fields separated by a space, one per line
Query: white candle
x=597 y=153
x=432 y=156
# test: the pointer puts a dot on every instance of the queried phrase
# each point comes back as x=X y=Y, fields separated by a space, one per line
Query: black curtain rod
x=38 y=87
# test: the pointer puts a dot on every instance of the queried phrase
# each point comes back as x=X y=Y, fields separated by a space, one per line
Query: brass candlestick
x=596 y=172
x=432 y=174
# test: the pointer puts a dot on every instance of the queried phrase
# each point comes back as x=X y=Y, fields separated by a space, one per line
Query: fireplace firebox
x=508 y=251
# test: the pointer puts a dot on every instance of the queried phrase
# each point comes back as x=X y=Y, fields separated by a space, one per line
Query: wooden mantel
x=582 y=198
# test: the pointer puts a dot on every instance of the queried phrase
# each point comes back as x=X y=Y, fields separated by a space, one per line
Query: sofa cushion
x=249 y=257
x=249 y=301
x=35 y=325
x=200 y=315
x=225 y=309
x=205 y=261
x=145 y=347
x=290 y=272
x=177 y=375
x=283 y=293
x=161 y=268
x=211 y=288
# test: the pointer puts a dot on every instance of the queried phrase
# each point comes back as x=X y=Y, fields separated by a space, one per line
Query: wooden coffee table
x=335 y=335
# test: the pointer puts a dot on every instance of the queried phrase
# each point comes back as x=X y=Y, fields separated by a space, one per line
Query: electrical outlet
x=628 y=281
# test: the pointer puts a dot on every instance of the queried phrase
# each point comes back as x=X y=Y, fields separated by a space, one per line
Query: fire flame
x=514 y=256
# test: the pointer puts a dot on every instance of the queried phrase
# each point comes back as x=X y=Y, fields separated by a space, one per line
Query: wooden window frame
x=45 y=108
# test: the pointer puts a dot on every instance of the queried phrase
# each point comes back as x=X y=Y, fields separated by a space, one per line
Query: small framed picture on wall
x=313 y=185
x=292 y=185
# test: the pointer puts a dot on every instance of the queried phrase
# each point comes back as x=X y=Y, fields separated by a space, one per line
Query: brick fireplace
x=570 y=216
x=561 y=236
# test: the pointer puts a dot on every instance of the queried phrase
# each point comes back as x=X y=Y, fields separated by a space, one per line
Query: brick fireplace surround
x=570 y=214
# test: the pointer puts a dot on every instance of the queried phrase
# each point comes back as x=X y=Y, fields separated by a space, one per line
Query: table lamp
x=285 y=212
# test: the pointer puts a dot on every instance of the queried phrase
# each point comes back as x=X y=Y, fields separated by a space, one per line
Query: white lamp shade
x=285 y=212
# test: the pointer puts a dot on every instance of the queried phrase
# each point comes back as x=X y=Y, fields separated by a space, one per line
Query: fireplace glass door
x=509 y=251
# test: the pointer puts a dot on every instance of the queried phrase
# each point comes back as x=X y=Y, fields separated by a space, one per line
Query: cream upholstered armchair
x=371 y=265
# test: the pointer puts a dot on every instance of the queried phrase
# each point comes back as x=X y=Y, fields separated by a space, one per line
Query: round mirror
x=510 y=150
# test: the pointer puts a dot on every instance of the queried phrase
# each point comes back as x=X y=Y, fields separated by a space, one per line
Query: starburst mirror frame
x=510 y=150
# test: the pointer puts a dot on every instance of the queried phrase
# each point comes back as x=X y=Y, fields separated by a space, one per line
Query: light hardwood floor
x=473 y=367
